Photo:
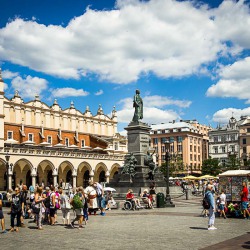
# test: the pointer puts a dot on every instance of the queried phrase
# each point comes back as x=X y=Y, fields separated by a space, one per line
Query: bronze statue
x=148 y=161
x=129 y=166
x=138 y=105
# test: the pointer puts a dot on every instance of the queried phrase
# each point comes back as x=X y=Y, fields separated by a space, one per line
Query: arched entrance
x=114 y=171
x=102 y=177
x=44 y=173
x=28 y=179
x=69 y=178
x=86 y=178
x=65 y=173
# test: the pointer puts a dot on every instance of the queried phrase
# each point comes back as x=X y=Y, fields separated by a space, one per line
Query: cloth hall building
x=41 y=143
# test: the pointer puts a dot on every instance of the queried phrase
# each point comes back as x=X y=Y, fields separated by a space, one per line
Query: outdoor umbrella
x=109 y=189
x=190 y=177
x=206 y=177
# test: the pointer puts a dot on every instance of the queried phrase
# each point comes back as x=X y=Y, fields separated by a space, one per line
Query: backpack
x=77 y=203
x=205 y=202
x=46 y=202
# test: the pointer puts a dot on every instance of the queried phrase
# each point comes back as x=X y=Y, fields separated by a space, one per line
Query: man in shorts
x=244 y=200
x=1 y=214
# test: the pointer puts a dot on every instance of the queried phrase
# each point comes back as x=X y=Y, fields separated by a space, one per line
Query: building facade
x=188 y=144
x=244 y=140
x=41 y=143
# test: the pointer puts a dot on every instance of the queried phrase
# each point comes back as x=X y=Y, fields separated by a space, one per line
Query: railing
x=59 y=152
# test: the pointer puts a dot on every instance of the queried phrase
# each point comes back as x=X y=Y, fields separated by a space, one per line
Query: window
x=66 y=142
x=248 y=130
x=223 y=149
x=82 y=143
x=30 y=137
x=215 y=138
x=179 y=139
x=191 y=157
x=199 y=141
x=199 y=149
x=233 y=148
x=232 y=137
x=223 y=138
x=163 y=140
x=191 y=139
x=191 y=148
x=195 y=157
x=9 y=135
x=49 y=139
x=171 y=139
x=179 y=148
x=199 y=158
x=155 y=140
x=172 y=148
x=116 y=145
x=216 y=150
x=244 y=150
x=194 y=148
x=244 y=141
x=163 y=150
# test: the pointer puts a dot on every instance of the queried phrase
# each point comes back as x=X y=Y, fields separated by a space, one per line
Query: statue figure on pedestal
x=138 y=105
x=148 y=161
x=129 y=166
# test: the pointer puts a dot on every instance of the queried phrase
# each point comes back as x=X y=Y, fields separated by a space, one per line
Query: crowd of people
x=42 y=204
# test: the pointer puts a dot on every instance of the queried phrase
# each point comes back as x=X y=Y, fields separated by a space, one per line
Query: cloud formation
x=6 y=74
x=29 y=86
x=154 y=110
x=67 y=92
x=136 y=38
x=223 y=115
x=100 y=92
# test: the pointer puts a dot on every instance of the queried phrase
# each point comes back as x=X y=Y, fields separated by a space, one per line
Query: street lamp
x=169 y=203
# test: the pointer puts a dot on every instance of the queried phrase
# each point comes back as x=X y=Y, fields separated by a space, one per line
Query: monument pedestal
x=138 y=144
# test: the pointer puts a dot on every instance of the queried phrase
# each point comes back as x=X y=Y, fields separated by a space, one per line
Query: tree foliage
x=211 y=167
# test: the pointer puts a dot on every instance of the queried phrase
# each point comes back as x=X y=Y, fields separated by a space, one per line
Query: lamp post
x=169 y=203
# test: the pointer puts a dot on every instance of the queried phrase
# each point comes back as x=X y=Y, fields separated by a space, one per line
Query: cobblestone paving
x=179 y=228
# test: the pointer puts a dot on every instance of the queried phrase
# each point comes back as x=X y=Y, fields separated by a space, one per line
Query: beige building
x=188 y=144
x=244 y=140
x=41 y=143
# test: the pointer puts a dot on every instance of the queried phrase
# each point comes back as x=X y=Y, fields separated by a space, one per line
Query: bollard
x=187 y=194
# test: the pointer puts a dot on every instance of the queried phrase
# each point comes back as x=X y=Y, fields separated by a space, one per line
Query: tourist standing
x=244 y=200
x=1 y=214
x=52 y=209
x=100 y=198
x=16 y=209
x=65 y=207
x=222 y=204
x=38 y=203
x=91 y=193
x=210 y=198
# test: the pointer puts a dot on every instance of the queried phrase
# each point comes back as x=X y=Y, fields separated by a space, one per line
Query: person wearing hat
x=211 y=210
x=91 y=193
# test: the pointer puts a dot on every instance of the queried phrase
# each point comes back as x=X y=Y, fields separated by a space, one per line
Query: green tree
x=232 y=163
x=175 y=165
x=211 y=167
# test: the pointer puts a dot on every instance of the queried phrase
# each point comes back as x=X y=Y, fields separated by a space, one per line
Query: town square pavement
x=181 y=227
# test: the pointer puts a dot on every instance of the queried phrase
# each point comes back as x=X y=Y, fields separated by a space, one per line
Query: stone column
x=9 y=182
x=74 y=181
x=55 y=180
x=107 y=175
x=33 y=181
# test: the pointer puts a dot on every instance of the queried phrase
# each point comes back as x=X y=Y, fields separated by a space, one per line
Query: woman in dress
x=65 y=207
x=39 y=203
x=91 y=193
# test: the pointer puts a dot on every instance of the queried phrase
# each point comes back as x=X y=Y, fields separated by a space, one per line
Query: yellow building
x=41 y=143
x=188 y=144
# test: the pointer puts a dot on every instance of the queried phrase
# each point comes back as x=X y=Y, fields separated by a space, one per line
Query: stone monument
x=139 y=170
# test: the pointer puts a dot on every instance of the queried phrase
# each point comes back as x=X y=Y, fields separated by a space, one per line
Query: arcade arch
x=114 y=171
x=22 y=173
x=45 y=173
x=100 y=172
x=65 y=172
x=83 y=174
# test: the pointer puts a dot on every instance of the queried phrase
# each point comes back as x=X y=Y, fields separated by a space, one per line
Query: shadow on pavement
x=199 y=228
x=246 y=245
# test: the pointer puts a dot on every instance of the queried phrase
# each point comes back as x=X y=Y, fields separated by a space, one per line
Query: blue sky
x=190 y=59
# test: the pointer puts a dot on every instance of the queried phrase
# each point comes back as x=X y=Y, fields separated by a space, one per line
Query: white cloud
x=161 y=101
x=167 y=38
x=223 y=115
x=100 y=92
x=6 y=74
x=30 y=86
x=67 y=92
x=234 y=82
x=154 y=109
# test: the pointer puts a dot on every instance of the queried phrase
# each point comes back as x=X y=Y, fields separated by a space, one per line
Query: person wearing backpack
x=210 y=198
x=16 y=209
x=76 y=202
